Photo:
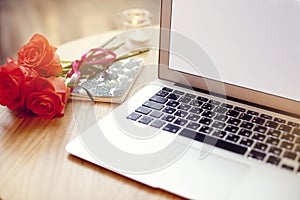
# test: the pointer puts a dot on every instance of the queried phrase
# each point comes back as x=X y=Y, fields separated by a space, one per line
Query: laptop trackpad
x=212 y=177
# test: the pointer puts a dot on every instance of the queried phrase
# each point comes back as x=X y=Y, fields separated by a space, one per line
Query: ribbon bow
x=92 y=57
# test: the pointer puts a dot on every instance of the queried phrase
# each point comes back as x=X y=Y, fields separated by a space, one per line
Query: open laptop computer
x=222 y=121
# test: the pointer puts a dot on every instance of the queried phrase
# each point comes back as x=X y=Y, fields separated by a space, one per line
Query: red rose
x=40 y=55
x=12 y=78
x=47 y=97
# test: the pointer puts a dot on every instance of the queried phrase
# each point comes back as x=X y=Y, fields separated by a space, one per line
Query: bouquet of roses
x=38 y=83
x=32 y=82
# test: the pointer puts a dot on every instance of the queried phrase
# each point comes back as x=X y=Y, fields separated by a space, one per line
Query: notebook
x=111 y=85
x=222 y=121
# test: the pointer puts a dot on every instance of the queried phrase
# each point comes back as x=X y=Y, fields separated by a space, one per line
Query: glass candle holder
x=135 y=18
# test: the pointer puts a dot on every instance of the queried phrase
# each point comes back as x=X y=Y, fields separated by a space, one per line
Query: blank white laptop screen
x=253 y=44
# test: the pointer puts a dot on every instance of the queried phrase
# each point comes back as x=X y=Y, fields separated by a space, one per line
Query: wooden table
x=34 y=164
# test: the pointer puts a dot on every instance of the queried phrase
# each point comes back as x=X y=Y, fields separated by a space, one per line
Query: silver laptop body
x=222 y=121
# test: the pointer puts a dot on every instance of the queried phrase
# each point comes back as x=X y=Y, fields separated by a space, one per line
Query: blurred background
x=62 y=20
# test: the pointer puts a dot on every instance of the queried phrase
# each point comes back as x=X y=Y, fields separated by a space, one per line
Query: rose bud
x=41 y=56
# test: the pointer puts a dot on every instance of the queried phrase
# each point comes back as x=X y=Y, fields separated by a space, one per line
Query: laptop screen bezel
x=276 y=103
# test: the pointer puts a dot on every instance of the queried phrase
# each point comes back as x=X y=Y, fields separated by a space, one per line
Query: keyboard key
x=173 y=103
x=180 y=121
x=180 y=113
x=245 y=116
x=218 y=124
x=190 y=134
x=294 y=124
x=288 y=137
x=206 y=129
x=184 y=99
x=275 y=150
x=214 y=141
x=208 y=106
x=231 y=129
x=169 y=110
x=234 y=121
x=297 y=141
x=171 y=128
x=290 y=168
x=143 y=110
x=196 y=103
x=145 y=120
x=285 y=128
x=193 y=125
x=220 y=110
x=247 y=125
x=260 y=146
x=219 y=133
x=257 y=155
x=167 y=89
x=196 y=110
x=178 y=92
x=184 y=107
x=203 y=99
x=258 y=120
x=247 y=142
x=173 y=96
x=287 y=145
x=214 y=102
x=134 y=116
x=297 y=149
x=233 y=138
x=157 y=123
x=189 y=95
x=289 y=155
x=162 y=93
x=168 y=118
x=258 y=136
x=260 y=129
x=205 y=121
x=272 y=141
x=240 y=109
x=271 y=124
x=266 y=116
x=153 y=105
x=208 y=114
x=158 y=99
x=296 y=131
x=274 y=133
x=251 y=112
x=225 y=105
x=245 y=133
x=273 y=160
x=232 y=113
x=193 y=117
x=221 y=117
x=156 y=114
x=282 y=121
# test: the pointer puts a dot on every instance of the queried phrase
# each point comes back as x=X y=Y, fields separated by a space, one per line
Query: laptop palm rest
x=206 y=175
x=197 y=173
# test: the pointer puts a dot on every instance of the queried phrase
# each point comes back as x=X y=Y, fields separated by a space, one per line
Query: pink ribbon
x=92 y=57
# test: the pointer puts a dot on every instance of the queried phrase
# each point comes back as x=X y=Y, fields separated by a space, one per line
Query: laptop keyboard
x=255 y=135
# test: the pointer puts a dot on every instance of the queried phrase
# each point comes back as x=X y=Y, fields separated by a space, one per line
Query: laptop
x=222 y=120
